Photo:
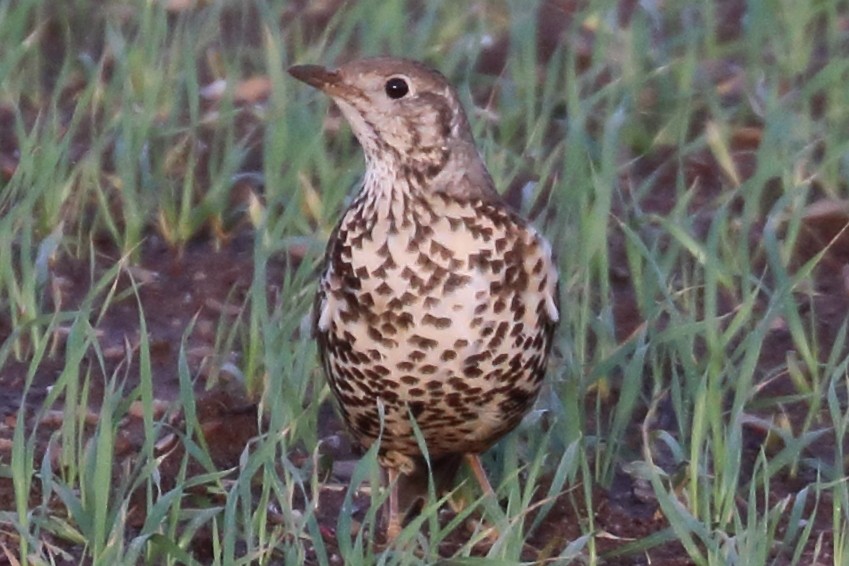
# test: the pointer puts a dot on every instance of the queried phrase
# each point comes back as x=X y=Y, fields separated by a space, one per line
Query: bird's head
x=398 y=109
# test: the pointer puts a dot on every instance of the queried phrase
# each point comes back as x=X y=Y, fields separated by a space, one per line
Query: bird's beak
x=319 y=77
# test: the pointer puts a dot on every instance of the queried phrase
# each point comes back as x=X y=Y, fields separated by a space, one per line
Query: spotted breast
x=437 y=309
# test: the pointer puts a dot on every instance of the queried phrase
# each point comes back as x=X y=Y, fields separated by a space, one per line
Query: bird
x=437 y=303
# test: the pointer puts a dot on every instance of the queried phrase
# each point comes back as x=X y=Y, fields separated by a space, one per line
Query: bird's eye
x=396 y=88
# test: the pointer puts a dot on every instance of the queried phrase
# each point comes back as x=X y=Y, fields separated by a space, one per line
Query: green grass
x=117 y=144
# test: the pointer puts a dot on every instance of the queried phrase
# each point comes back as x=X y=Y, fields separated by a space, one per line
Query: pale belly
x=448 y=324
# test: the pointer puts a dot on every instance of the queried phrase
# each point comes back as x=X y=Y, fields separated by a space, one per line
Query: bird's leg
x=474 y=463
x=393 y=515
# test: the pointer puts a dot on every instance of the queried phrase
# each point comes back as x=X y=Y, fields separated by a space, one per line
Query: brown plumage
x=436 y=301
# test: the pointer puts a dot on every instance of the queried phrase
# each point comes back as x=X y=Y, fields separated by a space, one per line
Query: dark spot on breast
x=469 y=415
x=478 y=358
x=389 y=396
x=423 y=232
x=407 y=273
x=404 y=320
x=517 y=400
x=438 y=322
x=500 y=334
x=388 y=263
x=416 y=392
x=472 y=371
x=425 y=262
x=381 y=370
x=416 y=408
x=383 y=289
x=388 y=329
x=422 y=342
x=372 y=375
x=416 y=282
x=537 y=269
x=438 y=249
x=454 y=400
x=455 y=281
x=342 y=385
x=417 y=355
x=366 y=424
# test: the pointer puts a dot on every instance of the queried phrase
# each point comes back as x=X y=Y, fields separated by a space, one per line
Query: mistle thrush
x=436 y=302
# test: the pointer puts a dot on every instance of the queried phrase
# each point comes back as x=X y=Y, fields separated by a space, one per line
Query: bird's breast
x=438 y=308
